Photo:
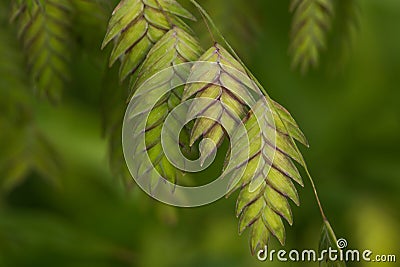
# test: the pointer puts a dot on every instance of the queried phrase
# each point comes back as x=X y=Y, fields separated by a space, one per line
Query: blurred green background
x=81 y=214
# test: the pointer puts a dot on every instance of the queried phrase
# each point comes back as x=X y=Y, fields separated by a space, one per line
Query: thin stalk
x=205 y=19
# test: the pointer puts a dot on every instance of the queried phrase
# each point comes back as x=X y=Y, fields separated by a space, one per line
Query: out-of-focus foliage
x=351 y=121
x=311 y=30
x=43 y=28
x=344 y=33
x=312 y=20
x=48 y=29
x=243 y=26
x=24 y=148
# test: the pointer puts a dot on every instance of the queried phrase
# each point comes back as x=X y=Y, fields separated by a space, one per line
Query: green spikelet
x=136 y=25
x=263 y=209
x=221 y=81
x=311 y=22
x=43 y=28
x=175 y=47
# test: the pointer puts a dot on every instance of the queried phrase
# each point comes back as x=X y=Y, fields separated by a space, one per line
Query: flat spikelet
x=263 y=209
x=217 y=84
x=175 y=47
x=136 y=25
x=311 y=21
x=43 y=28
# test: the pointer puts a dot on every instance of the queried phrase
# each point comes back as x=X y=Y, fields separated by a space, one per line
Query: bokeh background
x=80 y=214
